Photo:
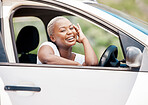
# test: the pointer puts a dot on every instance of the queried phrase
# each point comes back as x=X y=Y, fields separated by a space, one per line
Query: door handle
x=22 y=88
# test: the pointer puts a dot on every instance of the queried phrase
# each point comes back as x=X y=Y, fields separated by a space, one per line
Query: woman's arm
x=90 y=56
x=46 y=56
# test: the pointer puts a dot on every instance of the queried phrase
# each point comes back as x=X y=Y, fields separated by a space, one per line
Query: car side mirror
x=133 y=56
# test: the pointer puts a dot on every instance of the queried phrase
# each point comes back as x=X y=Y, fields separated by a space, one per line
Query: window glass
x=98 y=38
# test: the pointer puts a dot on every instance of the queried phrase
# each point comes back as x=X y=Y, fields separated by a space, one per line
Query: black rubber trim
x=22 y=88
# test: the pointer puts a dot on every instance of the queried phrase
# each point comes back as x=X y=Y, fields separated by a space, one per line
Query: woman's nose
x=69 y=31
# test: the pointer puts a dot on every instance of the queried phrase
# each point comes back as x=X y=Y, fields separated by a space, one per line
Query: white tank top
x=79 y=57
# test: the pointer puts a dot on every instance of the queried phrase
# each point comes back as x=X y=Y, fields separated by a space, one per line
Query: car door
x=32 y=84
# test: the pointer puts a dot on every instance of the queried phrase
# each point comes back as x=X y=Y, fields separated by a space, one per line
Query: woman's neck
x=66 y=53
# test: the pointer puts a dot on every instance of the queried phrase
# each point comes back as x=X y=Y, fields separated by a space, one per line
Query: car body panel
x=139 y=92
x=144 y=60
x=4 y=97
x=69 y=86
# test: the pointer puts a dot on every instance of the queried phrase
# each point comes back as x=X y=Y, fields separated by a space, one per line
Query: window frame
x=110 y=29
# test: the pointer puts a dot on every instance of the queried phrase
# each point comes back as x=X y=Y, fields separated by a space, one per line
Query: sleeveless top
x=78 y=58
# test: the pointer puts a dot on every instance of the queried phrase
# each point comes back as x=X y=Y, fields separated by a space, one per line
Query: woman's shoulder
x=48 y=43
x=53 y=46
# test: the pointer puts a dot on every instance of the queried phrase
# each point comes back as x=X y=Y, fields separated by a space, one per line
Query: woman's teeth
x=70 y=38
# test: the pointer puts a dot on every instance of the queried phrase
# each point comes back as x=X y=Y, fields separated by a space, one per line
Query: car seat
x=27 y=40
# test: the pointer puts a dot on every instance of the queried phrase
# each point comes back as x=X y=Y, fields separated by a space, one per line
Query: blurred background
x=135 y=8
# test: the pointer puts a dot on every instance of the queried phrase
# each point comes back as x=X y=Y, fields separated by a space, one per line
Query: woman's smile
x=70 y=39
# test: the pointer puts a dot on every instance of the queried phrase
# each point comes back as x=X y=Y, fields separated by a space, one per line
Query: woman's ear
x=52 y=38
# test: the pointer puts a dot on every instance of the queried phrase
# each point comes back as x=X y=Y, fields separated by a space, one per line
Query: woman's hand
x=90 y=56
x=81 y=36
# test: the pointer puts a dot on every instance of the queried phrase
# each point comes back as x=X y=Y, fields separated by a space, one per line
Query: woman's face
x=64 y=33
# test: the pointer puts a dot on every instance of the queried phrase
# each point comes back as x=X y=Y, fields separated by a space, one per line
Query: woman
x=65 y=35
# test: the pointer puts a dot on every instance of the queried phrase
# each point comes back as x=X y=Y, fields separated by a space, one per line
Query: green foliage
x=135 y=8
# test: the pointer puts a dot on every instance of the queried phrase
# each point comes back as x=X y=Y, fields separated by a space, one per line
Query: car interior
x=27 y=34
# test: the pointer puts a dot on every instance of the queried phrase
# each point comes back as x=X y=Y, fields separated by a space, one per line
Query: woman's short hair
x=50 y=25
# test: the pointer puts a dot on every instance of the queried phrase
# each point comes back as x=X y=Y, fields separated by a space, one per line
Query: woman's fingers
x=78 y=26
x=77 y=33
x=75 y=28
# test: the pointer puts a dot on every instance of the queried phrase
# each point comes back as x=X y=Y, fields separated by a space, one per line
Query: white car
x=116 y=80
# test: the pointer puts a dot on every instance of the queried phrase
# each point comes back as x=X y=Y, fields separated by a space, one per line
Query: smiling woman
x=63 y=35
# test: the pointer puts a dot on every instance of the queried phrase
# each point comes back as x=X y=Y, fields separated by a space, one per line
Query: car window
x=128 y=41
x=98 y=37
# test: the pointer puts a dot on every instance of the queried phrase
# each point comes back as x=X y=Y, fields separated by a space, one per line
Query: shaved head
x=50 y=26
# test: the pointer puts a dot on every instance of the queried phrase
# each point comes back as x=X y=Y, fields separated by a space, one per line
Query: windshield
x=132 y=21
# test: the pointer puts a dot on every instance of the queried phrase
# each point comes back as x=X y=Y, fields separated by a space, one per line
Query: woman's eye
x=71 y=28
x=62 y=30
